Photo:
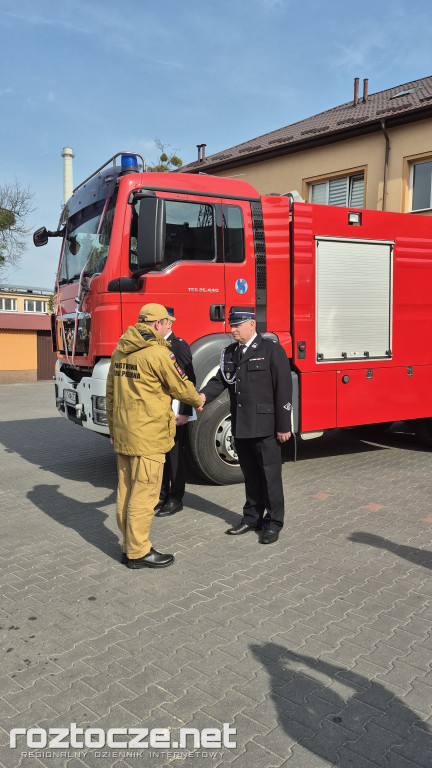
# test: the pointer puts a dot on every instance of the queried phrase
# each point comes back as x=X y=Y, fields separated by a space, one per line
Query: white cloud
x=34 y=19
x=381 y=45
x=364 y=49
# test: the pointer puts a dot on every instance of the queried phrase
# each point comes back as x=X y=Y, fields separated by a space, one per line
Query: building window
x=33 y=305
x=345 y=191
x=8 y=305
x=421 y=186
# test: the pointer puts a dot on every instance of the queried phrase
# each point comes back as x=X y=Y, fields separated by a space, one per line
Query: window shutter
x=357 y=191
x=338 y=191
x=319 y=193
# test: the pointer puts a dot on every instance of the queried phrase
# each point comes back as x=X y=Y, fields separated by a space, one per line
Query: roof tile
x=341 y=118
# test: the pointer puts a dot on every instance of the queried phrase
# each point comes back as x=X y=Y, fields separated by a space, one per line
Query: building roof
x=9 y=288
x=402 y=104
x=19 y=321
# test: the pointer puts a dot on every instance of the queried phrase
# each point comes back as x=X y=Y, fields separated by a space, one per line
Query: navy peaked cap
x=239 y=315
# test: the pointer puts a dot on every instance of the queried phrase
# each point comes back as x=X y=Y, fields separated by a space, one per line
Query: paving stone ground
x=317 y=649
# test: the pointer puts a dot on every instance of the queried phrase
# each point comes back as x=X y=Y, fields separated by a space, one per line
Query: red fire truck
x=347 y=292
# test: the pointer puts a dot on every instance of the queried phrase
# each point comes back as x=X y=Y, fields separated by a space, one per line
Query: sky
x=104 y=76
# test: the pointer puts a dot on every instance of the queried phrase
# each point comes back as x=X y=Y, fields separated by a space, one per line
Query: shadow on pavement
x=84 y=518
x=352 y=724
x=194 y=501
x=75 y=453
x=337 y=442
x=399 y=435
x=62 y=448
x=412 y=554
x=72 y=453
x=67 y=452
x=356 y=440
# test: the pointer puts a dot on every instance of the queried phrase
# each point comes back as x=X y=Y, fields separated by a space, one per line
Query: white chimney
x=67 y=156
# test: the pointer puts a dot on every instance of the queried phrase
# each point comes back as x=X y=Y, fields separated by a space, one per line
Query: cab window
x=233 y=234
x=189 y=233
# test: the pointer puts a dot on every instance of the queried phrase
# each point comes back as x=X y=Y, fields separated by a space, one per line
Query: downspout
x=386 y=161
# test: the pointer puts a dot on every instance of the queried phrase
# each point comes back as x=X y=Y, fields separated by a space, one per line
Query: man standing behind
x=173 y=479
x=257 y=373
x=142 y=380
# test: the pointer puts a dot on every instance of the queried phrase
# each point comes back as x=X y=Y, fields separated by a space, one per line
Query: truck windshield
x=87 y=240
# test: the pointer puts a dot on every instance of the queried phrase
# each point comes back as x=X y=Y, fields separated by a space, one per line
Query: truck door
x=191 y=278
x=238 y=254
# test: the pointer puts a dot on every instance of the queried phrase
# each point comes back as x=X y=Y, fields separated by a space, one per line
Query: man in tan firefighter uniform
x=142 y=381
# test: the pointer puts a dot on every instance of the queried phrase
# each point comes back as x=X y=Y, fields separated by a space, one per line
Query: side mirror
x=151 y=232
x=40 y=237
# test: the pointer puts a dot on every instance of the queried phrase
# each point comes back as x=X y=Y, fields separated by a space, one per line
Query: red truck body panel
x=390 y=394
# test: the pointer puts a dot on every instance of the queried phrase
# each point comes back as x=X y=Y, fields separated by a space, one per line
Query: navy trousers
x=261 y=463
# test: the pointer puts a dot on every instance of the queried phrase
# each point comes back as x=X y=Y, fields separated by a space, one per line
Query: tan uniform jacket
x=142 y=380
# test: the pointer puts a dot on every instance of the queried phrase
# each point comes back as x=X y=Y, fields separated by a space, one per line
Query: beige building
x=374 y=152
x=20 y=298
x=25 y=334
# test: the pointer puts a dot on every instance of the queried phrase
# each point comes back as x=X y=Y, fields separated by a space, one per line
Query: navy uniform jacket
x=183 y=355
x=261 y=392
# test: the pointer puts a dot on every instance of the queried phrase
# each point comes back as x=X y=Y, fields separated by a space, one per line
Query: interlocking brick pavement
x=317 y=649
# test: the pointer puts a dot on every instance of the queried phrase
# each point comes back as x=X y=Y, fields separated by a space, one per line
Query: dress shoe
x=124 y=558
x=152 y=560
x=270 y=535
x=161 y=503
x=237 y=530
x=170 y=508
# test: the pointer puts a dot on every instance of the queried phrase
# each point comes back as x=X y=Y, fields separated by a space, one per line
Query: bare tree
x=167 y=160
x=15 y=205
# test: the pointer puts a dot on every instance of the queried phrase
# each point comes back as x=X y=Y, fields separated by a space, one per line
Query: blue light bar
x=129 y=162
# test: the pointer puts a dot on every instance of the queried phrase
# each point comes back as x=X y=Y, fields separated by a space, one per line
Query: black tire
x=212 y=450
x=423 y=431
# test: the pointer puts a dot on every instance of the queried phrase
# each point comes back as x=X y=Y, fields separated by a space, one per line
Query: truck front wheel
x=212 y=448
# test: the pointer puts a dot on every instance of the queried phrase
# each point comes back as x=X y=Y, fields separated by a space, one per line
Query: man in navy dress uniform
x=257 y=374
x=173 y=479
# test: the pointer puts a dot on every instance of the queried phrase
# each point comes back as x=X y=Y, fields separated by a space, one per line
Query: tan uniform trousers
x=139 y=483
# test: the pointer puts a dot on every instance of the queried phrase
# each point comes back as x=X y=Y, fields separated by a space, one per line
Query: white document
x=175 y=405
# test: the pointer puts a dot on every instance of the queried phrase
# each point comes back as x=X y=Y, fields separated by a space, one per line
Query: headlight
x=99 y=410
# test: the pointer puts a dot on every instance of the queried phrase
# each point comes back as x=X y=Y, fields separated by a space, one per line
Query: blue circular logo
x=241 y=286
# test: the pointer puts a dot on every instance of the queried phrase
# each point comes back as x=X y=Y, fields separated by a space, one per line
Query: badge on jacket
x=177 y=367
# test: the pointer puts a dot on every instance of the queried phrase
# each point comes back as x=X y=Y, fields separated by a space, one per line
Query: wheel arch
x=206 y=353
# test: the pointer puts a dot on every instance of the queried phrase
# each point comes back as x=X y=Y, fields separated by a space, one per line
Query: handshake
x=203 y=398
x=180 y=420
